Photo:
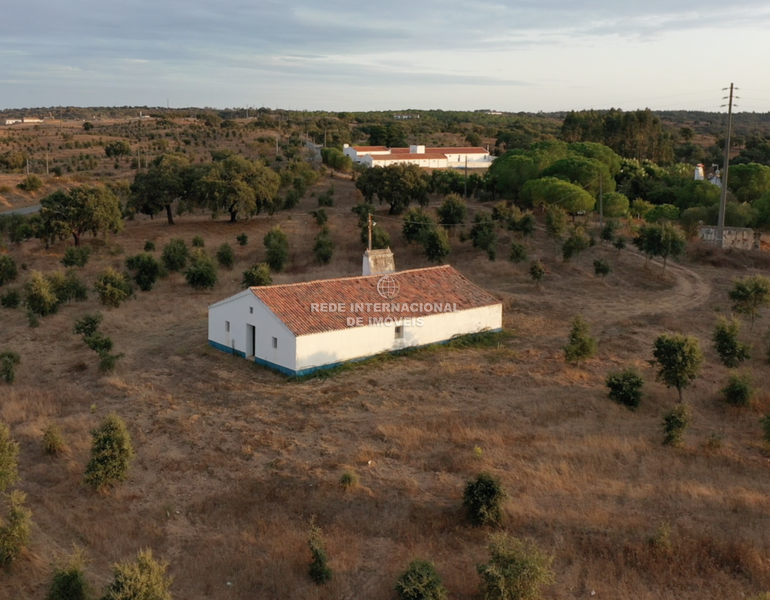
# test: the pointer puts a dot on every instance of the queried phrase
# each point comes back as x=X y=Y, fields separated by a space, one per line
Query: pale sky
x=340 y=55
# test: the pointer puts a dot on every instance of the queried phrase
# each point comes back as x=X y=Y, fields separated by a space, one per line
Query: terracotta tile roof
x=293 y=303
x=407 y=156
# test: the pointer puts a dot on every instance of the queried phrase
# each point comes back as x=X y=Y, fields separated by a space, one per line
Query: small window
x=275 y=342
x=399 y=332
x=251 y=310
x=227 y=326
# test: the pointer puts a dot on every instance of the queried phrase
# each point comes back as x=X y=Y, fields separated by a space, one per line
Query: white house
x=422 y=156
x=299 y=328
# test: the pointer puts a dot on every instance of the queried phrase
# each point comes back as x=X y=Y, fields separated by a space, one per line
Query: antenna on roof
x=370 y=232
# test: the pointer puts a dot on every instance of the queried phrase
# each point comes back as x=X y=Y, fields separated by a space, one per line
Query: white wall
x=266 y=324
x=357 y=342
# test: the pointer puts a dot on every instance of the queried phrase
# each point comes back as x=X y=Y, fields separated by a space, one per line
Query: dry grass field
x=233 y=459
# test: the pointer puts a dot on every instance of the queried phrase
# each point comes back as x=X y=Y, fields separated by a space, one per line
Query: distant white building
x=31 y=120
x=714 y=176
x=422 y=156
x=300 y=328
x=11 y=121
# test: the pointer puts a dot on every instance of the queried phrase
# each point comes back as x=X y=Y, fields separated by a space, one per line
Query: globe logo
x=387 y=287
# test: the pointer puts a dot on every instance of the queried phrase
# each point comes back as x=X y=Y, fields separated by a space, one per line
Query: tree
x=256 y=275
x=586 y=173
x=9 y=458
x=436 y=244
x=551 y=191
x=614 y=205
x=749 y=182
x=112 y=287
x=69 y=580
x=175 y=255
x=518 y=253
x=679 y=359
x=111 y=453
x=601 y=268
x=420 y=581
x=239 y=186
x=277 y=245
x=517 y=570
x=397 y=185
x=226 y=256
x=146 y=268
x=483 y=500
x=739 y=389
x=40 y=298
x=640 y=208
x=144 y=579
x=483 y=234
x=555 y=223
x=14 y=533
x=8 y=271
x=168 y=179
x=625 y=387
x=577 y=241
x=117 y=148
x=319 y=569
x=536 y=272
x=675 y=423
x=580 y=345
x=749 y=295
x=417 y=222
x=525 y=224
x=83 y=209
x=452 y=211
x=730 y=349
x=323 y=250
x=8 y=362
x=202 y=272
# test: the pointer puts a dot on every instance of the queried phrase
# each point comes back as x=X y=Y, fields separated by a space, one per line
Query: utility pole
x=466 y=177
x=601 y=204
x=723 y=200
x=46 y=162
x=370 y=232
x=27 y=167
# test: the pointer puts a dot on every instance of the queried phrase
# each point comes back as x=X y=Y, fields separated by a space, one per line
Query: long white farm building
x=422 y=156
x=299 y=328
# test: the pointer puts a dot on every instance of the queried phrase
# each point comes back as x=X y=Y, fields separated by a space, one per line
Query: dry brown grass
x=232 y=459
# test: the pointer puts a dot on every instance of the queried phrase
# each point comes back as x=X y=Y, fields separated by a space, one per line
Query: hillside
x=233 y=460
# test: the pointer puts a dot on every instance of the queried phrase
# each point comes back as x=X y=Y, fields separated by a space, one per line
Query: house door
x=251 y=341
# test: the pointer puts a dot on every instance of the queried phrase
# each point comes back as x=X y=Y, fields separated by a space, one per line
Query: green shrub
x=226 y=256
x=581 y=345
x=9 y=458
x=14 y=532
x=112 y=287
x=536 y=272
x=197 y=242
x=730 y=349
x=69 y=580
x=258 y=274
x=518 y=253
x=88 y=324
x=576 y=242
x=738 y=390
x=107 y=361
x=326 y=198
x=175 y=255
x=320 y=216
x=675 y=423
x=33 y=319
x=435 y=242
x=483 y=500
x=98 y=342
x=8 y=271
x=146 y=270
x=277 y=245
x=53 y=442
x=76 y=257
x=765 y=421
x=320 y=572
x=349 y=480
x=242 y=239
x=517 y=570
x=144 y=579
x=420 y=581
x=111 y=453
x=11 y=299
x=31 y=183
x=8 y=361
x=619 y=243
x=202 y=272
x=601 y=268
x=679 y=359
x=626 y=387
x=67 y=286
x=149 y=246
x=324 y=247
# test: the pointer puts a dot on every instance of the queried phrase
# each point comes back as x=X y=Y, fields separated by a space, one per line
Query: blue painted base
x=311 y=370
